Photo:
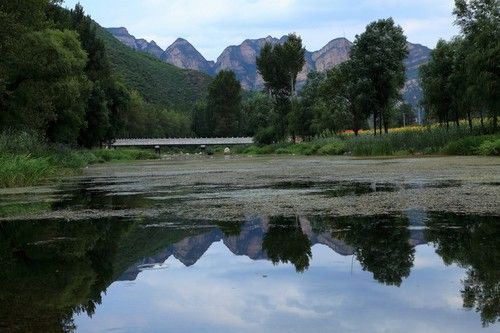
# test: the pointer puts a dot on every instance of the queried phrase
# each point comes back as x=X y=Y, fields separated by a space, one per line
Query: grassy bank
x=423 y=141
x=29 y=160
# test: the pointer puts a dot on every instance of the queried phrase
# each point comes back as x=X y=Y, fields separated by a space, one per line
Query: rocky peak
x=120 y=31
x=182 y=54
x=332 y=54
x=141 y=44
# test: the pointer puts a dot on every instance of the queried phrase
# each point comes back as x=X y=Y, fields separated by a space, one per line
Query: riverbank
x=26 y=160
x=421 y=141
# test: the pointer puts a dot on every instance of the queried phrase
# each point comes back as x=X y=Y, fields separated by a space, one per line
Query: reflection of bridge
x=182 y=142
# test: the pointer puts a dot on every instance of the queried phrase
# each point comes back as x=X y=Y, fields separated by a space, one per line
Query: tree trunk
x=482 y=121
x=469 y=118
x=380 y=124
x=375 y=123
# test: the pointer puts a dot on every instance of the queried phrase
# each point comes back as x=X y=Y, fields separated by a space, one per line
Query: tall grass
x=432 y=140
x=23 y=170
x=27 y=159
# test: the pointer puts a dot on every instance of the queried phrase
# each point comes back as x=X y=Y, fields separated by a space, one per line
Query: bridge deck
x=182 y=142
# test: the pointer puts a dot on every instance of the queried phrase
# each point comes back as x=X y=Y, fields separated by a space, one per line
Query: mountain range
x=241 y=59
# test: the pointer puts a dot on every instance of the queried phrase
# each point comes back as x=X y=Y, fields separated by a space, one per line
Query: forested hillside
x=157 y=81
x=66 y=80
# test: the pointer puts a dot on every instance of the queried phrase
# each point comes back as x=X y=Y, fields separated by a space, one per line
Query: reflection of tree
x=285 y=242
x=472 y=243
x=380 y=244
x=88 y=195
x=51 y=270
x=230 y=228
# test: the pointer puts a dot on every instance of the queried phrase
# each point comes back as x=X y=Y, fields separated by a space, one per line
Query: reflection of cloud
x=223 y=292
x=212 y=25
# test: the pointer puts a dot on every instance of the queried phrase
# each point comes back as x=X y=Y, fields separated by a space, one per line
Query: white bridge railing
x=182 y=142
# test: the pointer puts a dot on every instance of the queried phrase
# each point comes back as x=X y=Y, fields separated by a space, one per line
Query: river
x=256 y=244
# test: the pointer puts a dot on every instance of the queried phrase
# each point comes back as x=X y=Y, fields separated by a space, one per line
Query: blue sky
x=211 y=25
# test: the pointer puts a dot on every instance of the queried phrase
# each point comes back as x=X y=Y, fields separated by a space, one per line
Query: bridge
x=172 y=142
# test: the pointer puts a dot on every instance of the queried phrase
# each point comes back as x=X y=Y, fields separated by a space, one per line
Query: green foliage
x=349 y=96
x=436 y=81
x=474 y=145
x=48 y=94
x=489 y=147
x=378 y=55
x=158 y=82
x=297 y=149
x=279 y=65
x=305 y=108
x=144 y=120
x=223 y=105
x=454 y=141
x=265 y=135
x=256 y=112
x=29 y=160
x=23 y=170
x=461 y=78
x=333 y=148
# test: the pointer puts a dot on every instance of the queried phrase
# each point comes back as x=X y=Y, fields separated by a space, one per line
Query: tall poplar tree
x=379 y=53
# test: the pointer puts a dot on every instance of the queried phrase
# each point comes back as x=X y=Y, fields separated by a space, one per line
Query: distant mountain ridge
x=158 y=82
x=241 y=59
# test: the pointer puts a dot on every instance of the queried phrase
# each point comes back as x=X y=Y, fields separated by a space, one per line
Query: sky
x=212 y=25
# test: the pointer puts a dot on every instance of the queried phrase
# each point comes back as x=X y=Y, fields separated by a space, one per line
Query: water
x=95 y=259
x=415 y=272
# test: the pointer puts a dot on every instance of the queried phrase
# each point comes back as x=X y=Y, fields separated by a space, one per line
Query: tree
x=479 y=21
x=349 y=94
x=224 y=104
x=256 y=112
x=436 y=81
x=302 y=114
x=285 y=242
x=464 y=241
x=279 y=66
x=200 y=123
x=406 y=115
x=48 y=90
x=96 y=119
x=379 y=54
x=380 y=245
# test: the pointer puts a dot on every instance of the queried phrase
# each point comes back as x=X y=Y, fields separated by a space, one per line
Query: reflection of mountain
x=249 y=242
x=55 y=269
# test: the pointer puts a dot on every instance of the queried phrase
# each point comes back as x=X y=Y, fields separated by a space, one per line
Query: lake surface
x=93 y=257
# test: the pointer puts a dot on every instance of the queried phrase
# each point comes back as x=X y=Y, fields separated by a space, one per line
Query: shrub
x=265 y=136
x=467 y=146
x=490 y=147
x=333 y=148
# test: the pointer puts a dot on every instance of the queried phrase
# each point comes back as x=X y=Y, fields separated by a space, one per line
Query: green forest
x=64 y=78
